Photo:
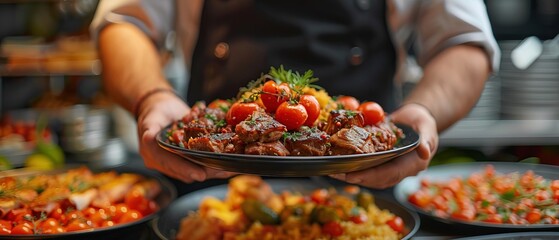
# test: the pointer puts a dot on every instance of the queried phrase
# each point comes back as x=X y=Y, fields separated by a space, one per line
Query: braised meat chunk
x=384 y=135
x=267 y=148
x=260 y=127
x=307 y=142
x=198 y=127
x=340 y=119
x=354 y=140
x=217 y=142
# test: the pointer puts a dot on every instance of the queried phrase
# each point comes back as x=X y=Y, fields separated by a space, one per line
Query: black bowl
x=167 y=224
x=132 y=230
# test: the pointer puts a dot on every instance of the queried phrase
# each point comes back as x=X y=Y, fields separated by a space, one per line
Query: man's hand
x=392 y=172
x=156 y=112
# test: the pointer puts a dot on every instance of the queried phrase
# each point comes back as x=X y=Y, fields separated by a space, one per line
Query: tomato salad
x=282 y=109
x=491 y=197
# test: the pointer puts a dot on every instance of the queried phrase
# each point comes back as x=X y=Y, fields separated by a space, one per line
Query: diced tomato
x=22 y=229
x=466 y=214
x=555 y=185
x=359 y=218
x=494 y=218
x=534 y=216
x=396 y=223
x=130 y=216
x=420 y=198
x=333 y=229
x=320 y=196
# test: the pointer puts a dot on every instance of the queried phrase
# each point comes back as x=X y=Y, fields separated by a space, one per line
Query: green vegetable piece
x=323 y=214
x=364 y=199
x=257 y=211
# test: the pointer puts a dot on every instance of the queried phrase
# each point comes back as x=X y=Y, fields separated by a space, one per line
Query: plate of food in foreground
x=486 y=195
x=282 y=125
x=252 y=208
x=80 y=203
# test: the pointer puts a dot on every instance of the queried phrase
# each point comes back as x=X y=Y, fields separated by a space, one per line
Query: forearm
x=452 y=83
x=131 y=64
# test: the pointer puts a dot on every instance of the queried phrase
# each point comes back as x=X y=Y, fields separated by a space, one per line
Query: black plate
x=132 y=230
x=448 y=171
x=292 y=166
x=167 y=224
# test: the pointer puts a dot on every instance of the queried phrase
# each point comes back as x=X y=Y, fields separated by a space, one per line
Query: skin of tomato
x=77 y=225
x=53 y=230
x=108 y=223
x=59 y=215
x=420 y=198
x=130 y=216
x=291 y=115
x=5 y=231
x=274 y=95
x=22 y=229
x=348 y=102
x=372 y=112
x=396 y=223
x=240 y=111
x=359 y=218
x=6 y=224
x=135 y=200
x=120 y=210
x=333 y=229
x=319 y=196
x=494 y=218
x=313 y=108
x=534 y=216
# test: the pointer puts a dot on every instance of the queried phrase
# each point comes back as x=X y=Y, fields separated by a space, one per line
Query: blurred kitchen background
x=49 y=72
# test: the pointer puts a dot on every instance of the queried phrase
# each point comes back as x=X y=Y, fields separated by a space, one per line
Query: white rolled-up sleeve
x=154 y=17
x=441 y=24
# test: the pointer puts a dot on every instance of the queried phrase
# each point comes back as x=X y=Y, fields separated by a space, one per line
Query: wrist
x=150 y=95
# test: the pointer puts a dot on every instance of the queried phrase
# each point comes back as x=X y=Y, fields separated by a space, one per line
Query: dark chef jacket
x=345 y=43
x=355 y=47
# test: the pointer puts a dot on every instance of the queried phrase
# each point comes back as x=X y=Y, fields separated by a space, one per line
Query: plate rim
x=399 y=195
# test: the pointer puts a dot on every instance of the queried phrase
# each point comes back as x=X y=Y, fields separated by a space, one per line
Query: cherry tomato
x=73 y=215
x=333 y=229
x=108 y=223
x=240 y=111
x=320 y=196
x=6 y=224
x=274 y=95
x=53 y=230
x=372 y=112
x=23 y=228
x=89 y=211
x=359 y=218
x=347 y=103
x=4 y=230
x=99 y=217
x=293 y=116
x=396 y=223
x=59 y=214
x=130 y=216
x=136 y=200
x=117 y=211
x=49 y=222
x=77 y=225
x=313 y=108
x=220 y=104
